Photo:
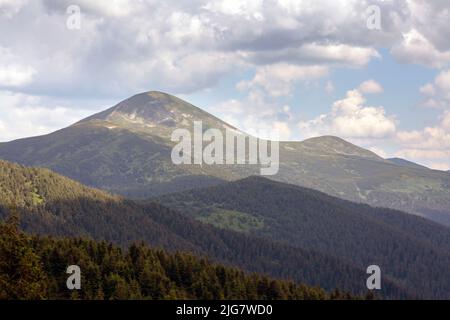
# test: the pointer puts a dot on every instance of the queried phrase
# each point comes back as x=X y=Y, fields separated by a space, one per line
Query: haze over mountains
x=126 y=150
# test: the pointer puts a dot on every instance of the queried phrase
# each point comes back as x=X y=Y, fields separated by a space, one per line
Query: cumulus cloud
x=278 y=79
x=429 y=138
x=314 y=53
x=431 y=145
x=370 y=86
x=8 y=8
x=128 y=46
x=26 y=115
x=12 y=72
x=443 y=166
x=257 y=114
x=353 y=119
x=437 y=94
x=415 y=48
x=350 y=117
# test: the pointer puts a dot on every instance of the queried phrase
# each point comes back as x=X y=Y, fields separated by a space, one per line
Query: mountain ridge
x=307 y=218
x=404 y=162
x=129 y=153
x=333 y=144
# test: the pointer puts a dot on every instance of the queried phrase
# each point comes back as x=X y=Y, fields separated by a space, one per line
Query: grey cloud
x=185 y=46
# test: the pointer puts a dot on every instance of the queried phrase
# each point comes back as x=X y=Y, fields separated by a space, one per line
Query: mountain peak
x=151 y=105
x=155 y=112
x=333 y=144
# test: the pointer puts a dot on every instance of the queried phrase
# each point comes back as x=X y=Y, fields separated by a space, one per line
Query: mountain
x=50 y=204
x=364 y=177
x=406 y=163
x=126 y=150
x=405 y=247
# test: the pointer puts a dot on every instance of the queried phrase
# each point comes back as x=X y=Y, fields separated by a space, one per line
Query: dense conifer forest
x=408 y=248
x=50 y=204
x=53 y=205
x=33 y=267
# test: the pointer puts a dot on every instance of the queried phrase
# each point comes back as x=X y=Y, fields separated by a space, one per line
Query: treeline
x=33 y=267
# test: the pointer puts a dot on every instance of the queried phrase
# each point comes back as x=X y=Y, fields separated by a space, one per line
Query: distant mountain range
x=126 y=150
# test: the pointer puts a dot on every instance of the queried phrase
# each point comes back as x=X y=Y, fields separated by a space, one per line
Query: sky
x=376 y=73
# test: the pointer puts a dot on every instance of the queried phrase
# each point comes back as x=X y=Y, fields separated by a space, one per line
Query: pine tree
x=21 y=274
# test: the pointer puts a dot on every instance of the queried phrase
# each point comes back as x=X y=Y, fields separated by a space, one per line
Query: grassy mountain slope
x=54 y=205
x=126 y=149
x=406 y=247
x=406 y=163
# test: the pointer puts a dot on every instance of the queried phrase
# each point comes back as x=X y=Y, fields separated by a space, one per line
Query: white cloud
x=430 y=145
x=8 y=8
x=243 y=8
x=26 y=115
x=257 y=114
x=340 y=54
x=442 y=83
x=423 y=154
x=12 y=72
x=429 y=138
x=112 y=8
x=351 y=118
x=428 y=89
x=444 y=166
x=278 y=79
x=329 y=87
x=370 y=86
x=127 y=46
x=437 y=94
x=415 y=48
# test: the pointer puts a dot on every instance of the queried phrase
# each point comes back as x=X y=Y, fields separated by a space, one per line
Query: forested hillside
x=50 y=204
x=408 y=248
x=35 y=268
